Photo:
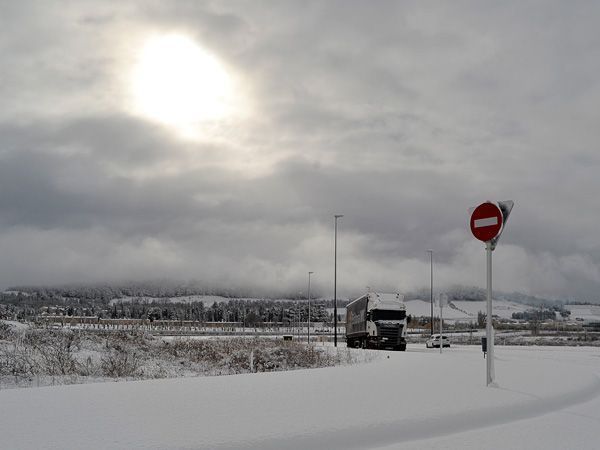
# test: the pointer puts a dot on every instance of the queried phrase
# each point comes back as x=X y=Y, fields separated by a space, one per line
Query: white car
x=434 y=341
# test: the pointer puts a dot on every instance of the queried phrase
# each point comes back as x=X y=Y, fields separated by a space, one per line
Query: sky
x=215 y=141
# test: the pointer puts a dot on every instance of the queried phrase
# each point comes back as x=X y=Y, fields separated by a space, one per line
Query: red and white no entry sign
x=486 y=221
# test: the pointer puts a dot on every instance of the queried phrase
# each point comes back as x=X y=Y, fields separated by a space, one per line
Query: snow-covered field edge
x=396 y=401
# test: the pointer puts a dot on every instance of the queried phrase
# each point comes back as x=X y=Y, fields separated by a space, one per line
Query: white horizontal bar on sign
x=487 y=222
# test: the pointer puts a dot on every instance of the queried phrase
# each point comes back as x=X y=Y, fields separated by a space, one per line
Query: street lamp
x=309 y=274
x=431 y=292
x=297 y=315
x=336 y=217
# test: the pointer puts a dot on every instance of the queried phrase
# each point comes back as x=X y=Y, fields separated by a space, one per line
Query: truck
x=377 y=320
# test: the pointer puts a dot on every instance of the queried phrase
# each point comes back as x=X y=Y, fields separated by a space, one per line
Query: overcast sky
x=399 y=115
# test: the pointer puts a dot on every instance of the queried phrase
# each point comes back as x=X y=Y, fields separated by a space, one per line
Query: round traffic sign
x=486 y=221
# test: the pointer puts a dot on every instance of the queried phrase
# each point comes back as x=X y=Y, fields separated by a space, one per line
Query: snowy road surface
x=547 y=398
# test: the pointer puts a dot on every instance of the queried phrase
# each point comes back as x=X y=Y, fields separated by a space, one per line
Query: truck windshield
x=378 y=314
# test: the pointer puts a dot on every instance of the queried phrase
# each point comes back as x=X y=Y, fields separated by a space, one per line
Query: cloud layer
x=400 y=116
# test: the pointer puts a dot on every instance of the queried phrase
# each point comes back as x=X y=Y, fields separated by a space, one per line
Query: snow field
x=411 y=396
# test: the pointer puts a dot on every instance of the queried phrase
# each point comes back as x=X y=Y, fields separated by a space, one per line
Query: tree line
x=29 y=307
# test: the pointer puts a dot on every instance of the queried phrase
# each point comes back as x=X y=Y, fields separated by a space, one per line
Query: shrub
x=120 y=361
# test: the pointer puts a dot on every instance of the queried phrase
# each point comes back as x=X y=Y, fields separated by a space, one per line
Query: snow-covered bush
x=120 y=361
x=56 y=356
x=5 y=331
x=18 y=360
x=56 y=351
x=227 y=356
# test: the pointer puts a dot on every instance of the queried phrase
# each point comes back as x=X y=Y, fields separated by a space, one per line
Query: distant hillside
x=152 y=288
x=173 y=289
x=477 y=294
x=460 y=310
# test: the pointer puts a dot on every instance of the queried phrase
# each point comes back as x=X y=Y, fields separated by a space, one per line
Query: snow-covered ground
x=547 y=398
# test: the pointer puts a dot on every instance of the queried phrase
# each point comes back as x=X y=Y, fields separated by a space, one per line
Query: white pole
x=336 y=217
x=441 y=321
x=489 y=328
x=309 y=274
x=431 y=285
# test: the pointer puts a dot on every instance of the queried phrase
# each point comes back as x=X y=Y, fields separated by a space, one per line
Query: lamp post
x=309 y=274
x=336 y=217
x=431 y=290
x=297 y=315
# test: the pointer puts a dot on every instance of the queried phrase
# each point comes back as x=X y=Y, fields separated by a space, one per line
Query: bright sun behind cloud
x=178 y=83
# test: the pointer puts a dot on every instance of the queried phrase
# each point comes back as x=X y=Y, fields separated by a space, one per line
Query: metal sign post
x=488 y=221
x=489 y=329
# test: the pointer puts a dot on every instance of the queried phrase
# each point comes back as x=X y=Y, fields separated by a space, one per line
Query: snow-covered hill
x=585 y=313
x=464 y=310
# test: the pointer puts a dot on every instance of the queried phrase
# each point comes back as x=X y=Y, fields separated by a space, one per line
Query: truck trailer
x=377 y=321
